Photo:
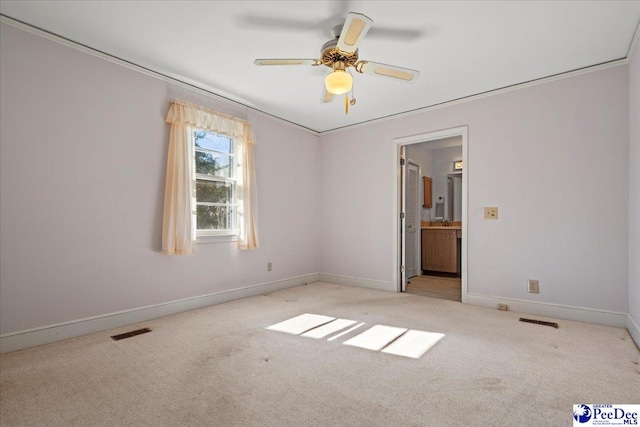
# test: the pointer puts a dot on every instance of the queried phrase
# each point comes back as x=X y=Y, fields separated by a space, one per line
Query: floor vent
x=540 y=322
x=130 y=334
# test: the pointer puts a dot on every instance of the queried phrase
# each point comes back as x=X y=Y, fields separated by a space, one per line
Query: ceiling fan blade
x=326 y=96
x=378 y=69
x=285 y=61
x=354 y=29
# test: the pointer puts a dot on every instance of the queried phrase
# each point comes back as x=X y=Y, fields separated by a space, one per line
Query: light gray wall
x=550 y=156
x=84 y=147
x=83 y=151
x=634 y=185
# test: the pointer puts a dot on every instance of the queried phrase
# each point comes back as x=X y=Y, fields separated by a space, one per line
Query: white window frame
x=209 y=235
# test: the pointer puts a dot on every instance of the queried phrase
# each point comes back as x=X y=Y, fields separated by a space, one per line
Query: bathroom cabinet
x=440 y=250
x=428 y=191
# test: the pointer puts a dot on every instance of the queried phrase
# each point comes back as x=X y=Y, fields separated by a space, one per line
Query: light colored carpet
x=220 y=366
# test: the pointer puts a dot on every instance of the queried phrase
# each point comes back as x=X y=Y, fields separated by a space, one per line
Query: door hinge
x=401 y=215
x=402 y=269
x=401 y=162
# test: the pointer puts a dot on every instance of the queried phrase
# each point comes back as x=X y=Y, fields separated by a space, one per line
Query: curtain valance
x=187 y=114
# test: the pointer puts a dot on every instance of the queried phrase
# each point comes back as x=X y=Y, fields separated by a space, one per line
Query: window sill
x=216 y=239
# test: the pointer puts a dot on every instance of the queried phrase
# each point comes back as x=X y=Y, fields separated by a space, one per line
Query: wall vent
x=539 y=322
x=130 y=334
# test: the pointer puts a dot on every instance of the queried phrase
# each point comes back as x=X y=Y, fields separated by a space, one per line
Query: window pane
x=213 y=191
x=213 y=164
x=214 y=217
x=212 y=141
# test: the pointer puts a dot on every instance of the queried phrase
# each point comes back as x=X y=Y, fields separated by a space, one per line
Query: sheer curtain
x=178 y=226
x=247 y=206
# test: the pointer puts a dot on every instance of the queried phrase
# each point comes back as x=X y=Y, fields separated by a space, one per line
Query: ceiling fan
x=340 y=54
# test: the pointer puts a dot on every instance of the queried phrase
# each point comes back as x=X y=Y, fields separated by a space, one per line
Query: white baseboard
x=634 y=329
x=558 y=311
x=358 y=282
x=47 y=334
x=30 y=338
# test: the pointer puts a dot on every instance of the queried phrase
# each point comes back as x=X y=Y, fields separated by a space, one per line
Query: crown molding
x=151 y=73
x=211 y=92
x=487 y=94
x=634 y=43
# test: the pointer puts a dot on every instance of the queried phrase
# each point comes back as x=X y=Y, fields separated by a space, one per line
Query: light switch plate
x=491 y=213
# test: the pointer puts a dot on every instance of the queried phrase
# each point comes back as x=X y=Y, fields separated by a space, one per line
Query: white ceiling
x=460 y=48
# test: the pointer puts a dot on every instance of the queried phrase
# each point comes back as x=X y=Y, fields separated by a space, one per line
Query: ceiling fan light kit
x=339 y=81
x=341 y=53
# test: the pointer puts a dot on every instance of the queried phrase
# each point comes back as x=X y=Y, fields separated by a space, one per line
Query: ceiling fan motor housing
x=330 y=55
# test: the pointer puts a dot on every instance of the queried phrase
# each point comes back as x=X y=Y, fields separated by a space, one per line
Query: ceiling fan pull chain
x=346 y=103
x=353 y=97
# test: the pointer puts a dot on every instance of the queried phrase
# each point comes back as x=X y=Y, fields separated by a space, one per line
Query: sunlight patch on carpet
x=328 y=328
x=413 y=343
x=345 y=332
x=299 y=324
x=404 y=342
x=376 y=338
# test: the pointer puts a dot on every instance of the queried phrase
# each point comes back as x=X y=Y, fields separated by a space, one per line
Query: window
x=216 y=198
x=210 y=188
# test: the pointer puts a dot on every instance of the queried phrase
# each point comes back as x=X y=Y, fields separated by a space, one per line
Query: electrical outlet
x=491 y=213
x=534 y=286
x=268 y=266
x=503 y=307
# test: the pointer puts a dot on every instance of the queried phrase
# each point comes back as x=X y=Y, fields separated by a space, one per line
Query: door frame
x=397 y=145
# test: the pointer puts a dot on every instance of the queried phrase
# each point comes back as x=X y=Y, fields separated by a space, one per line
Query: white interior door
x=412 y=219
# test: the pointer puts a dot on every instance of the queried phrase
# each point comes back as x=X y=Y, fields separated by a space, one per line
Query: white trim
x=358 y=282
x=489 y=93
x=557 y=311
x=461 y=131
x=634 y=329
x=402 y=170
x=206 y=239
x=211 y=92
x=204 y=90
x=634 y=43
x=29 y=338
x=632 y=325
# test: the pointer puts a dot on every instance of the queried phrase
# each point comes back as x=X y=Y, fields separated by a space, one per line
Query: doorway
x=438 y=243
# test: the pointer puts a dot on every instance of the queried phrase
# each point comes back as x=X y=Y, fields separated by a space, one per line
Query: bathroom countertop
x=437 y=225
